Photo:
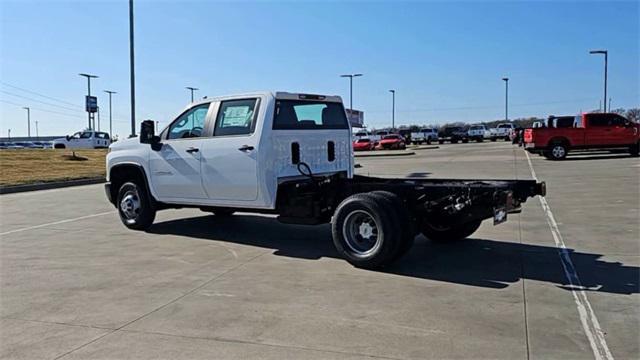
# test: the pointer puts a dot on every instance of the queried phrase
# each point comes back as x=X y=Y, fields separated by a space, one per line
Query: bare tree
x=633 y=114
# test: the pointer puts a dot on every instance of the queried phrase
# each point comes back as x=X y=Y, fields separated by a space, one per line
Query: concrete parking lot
x=76 y=284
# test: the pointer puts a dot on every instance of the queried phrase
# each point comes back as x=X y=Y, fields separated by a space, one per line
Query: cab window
x=190 y=124
x=85 y=135
x=236 y=117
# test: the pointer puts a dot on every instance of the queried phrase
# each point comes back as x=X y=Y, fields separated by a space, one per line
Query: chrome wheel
x=130 y=204
x=361 y=232
x=558 y=151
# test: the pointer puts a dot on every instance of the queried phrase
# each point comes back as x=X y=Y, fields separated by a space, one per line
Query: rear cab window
x=309 y=115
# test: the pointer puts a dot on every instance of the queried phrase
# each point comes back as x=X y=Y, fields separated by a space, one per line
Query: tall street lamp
x=350 y=76
x=132 y=72
x=110 y=119
x=28 y=121
x=606 y=56
x=89 y=77
x=506 y=98
x=192 y=89
x=393 y=109
x=37 y=135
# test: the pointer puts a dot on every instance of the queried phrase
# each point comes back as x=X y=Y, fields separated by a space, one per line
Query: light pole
x=28 y=122
x=506 y=98
x=37 y=135
x=89 y=77
x=110 y=119
x=98 y=118
x=132 y=72
x=192 y=89
x=9 y=134
x=393 y=109
x=606 y=59
x=350 y=76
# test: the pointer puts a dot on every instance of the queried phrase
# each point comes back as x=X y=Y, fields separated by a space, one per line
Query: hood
x=125 y=144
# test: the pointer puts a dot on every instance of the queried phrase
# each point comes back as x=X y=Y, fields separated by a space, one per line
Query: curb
x=407 y=153
x=50 y=185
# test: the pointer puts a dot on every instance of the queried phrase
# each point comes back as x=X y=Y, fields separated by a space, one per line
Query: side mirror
x=148 y=136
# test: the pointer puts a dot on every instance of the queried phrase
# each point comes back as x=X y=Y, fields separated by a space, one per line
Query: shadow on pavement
x=474 y=262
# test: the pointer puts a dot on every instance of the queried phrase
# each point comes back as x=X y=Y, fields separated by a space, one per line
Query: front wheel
x=134 y=207
x=441 y=233
x=634 y=150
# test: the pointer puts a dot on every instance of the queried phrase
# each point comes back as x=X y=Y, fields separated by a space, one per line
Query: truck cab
x=233 y=151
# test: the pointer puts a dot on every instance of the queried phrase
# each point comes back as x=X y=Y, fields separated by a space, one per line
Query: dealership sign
x=356 y=118
x=91 y=104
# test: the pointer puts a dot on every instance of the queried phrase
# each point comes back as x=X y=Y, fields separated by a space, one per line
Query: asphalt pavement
x=557 y=281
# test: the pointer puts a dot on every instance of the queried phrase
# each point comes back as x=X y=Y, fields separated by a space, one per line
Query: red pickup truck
x=589 y=132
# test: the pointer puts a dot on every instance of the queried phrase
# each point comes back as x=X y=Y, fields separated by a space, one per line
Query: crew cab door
x=229 y=157
x=175 y=168
x=602 y=130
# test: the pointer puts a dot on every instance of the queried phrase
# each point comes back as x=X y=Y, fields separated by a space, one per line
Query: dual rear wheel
x=371 y=230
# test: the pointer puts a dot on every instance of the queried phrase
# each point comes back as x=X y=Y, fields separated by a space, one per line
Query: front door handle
x=245 y=148
x=192 y=150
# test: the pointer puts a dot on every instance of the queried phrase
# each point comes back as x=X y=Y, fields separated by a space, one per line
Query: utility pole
x=192 y=89
x=506 y=98
x=350 y=76
x=89 y=113
x=132 y=71
x=28 y=122
x=606 y=60
x=110 y=118
x=37 y=135
x=9 y=134
x=98 y=118
x=393 y=110
x=609 y=104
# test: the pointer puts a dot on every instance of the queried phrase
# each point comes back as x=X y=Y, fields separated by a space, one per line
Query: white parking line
x=588 y=317
x=56 y=223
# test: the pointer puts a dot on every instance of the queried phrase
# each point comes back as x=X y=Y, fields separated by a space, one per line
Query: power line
x=43 y=110
x=483 y=107
x=36 y=100
x=38 y=94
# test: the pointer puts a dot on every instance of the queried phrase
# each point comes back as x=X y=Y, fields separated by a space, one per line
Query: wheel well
x=121 y=174
x=559 y=140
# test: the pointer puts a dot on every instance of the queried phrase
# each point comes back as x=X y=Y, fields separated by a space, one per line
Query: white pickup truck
x=504 y=131
x=87 y=139
x=426 y=135
x=290 y=155
x=479 y=133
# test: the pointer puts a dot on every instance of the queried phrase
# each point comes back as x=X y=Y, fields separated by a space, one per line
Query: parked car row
x=26 y=145
x=387 y=142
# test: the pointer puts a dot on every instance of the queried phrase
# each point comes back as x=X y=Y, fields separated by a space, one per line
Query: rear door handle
x=245 y=148
x=192 y=150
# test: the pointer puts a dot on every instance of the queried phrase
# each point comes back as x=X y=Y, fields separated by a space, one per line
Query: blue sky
x=445 y=59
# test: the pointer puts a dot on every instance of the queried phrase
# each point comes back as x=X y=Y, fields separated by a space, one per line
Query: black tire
x=383 y=226
x=135 y=207
x=494 y=139
x=557 y=151
x=428 y=141
x=454 y=141
x=448 y=234
x=404 y=219
x=464 y=141
x=440 y=141
x=634 y=150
